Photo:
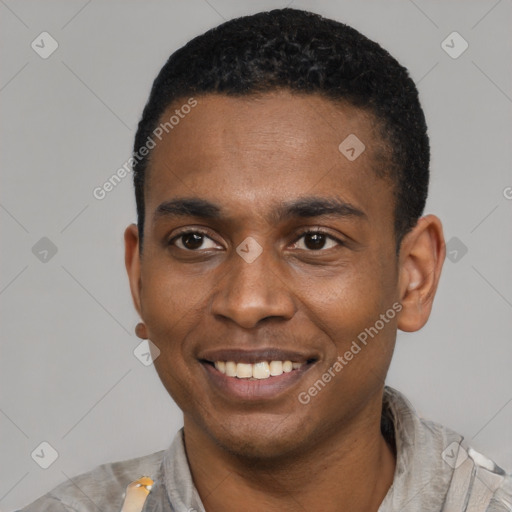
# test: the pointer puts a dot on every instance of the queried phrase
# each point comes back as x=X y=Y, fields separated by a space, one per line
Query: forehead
x=259 y=150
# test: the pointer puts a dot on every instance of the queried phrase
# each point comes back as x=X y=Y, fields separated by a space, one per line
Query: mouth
x=255 y=375
x=256 y=371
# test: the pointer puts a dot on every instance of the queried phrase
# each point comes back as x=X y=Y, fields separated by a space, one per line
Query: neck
x=354 y=467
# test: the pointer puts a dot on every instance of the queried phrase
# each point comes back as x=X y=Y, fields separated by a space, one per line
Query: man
x=281 y=170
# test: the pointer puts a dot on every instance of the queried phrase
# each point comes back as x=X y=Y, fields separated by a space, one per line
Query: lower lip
x=257 y=389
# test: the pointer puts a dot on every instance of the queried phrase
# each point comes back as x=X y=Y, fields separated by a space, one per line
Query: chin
x=262 y=440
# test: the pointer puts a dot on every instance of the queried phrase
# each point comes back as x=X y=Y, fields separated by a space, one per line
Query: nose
x=252 y=292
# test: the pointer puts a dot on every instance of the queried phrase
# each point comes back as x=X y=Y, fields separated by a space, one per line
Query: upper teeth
x=262 y=370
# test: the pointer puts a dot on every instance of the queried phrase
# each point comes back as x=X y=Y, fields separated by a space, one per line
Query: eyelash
x=314 y=231
x=300 y=235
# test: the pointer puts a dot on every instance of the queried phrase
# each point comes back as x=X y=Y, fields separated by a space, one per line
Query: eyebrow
x=315 y=207
x=188 y=207
x=305 y=207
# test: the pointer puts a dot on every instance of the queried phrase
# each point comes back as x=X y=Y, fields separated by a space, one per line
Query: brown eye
x=192 y=240
x=315 y=241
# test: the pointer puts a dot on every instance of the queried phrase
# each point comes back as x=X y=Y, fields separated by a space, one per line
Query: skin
x=248 y=155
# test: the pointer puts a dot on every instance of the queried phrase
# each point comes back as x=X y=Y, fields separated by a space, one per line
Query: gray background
x=68 y=375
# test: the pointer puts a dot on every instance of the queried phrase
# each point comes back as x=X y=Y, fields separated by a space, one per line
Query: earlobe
x=141 y=331
x=422 y=255
x=132 y=263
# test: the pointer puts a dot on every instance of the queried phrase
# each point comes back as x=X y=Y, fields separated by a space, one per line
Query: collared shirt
x=436 y=471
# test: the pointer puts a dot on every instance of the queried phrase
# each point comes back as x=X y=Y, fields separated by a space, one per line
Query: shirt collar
x=421 y=477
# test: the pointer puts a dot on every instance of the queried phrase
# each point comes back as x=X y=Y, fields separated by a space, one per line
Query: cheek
x=359 y=344
x=350 y=298
x=173 y=307
x=169 y=294
x=348 y=306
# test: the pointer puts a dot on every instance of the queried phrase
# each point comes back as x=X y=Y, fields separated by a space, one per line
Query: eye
x=314 y=240
x=193 y=240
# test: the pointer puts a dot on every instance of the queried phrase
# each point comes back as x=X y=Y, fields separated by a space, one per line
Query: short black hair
x=306 y=53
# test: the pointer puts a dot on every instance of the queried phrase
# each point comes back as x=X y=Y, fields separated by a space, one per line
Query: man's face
x=268 y=165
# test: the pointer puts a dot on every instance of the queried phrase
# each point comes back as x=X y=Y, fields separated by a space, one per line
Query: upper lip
x=256 y=356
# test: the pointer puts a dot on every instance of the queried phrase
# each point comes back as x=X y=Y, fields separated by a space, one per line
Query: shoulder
x=100 y=489
x=485 y=482
x=502 y=498
x=438 y=470
x=472 y=480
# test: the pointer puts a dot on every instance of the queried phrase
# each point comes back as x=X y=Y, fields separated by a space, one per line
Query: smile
x=254 y=375
x=260 y=370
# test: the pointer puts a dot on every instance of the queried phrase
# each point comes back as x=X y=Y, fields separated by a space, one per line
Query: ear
x=421 y=259
x=132 y=262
